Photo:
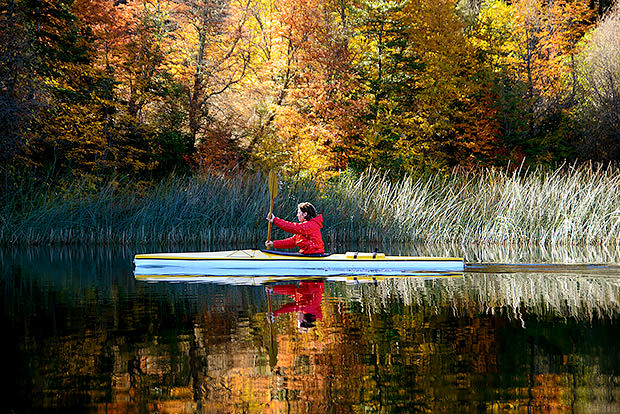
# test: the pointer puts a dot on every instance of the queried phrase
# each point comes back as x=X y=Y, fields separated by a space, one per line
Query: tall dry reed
x=567 y=206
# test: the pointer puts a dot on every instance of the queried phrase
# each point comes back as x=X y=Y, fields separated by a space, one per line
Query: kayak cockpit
x=294 y=254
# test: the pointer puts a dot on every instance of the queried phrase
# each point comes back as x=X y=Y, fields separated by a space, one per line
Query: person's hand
x=268 y=243
x=270 y=217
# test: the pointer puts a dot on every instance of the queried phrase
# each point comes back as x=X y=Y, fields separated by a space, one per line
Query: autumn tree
x=142 y=118
x=454 y=122
x=308 y=120
x=19 y=99
x=211 y=58
x=324 y=108
x=149 y=122
x=64 y=135
x=96 y=67
x=426 y=88
x=529 y=45
x=599 y=71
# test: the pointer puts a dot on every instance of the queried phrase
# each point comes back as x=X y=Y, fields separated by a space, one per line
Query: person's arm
x=280 y=244
x=285 y=243
x=295 y=228
x=284 y=289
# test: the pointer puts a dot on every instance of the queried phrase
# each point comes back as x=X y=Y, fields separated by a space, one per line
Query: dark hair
x=308 y=321
x=308 y=209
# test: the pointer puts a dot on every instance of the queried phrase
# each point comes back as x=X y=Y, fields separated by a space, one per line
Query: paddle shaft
x=272 y=350
x=269 y=225
x=273 y=191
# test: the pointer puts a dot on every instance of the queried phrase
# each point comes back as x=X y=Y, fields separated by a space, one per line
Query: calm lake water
x=82 y=335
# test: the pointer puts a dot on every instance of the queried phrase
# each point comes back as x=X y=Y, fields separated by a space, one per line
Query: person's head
x=305 y=211
x=306 y=321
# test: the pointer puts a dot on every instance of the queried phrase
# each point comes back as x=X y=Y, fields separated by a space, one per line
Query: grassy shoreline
x=566 y=206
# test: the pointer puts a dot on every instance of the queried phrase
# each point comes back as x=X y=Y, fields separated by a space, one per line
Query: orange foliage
x=305 y=86
x=217 y=151
x=312 y=114
x=547 y=32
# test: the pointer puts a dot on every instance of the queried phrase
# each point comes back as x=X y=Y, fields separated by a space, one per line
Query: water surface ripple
x=83 y=335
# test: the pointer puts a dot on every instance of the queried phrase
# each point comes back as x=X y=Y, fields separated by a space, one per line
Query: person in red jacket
x=307 y=297
x=306 y=233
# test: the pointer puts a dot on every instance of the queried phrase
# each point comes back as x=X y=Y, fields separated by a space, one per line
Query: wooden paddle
x=272 y=350
x=273 y=192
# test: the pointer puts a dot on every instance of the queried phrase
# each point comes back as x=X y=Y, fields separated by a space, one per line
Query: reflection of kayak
x=263 y=280
x=270 y=263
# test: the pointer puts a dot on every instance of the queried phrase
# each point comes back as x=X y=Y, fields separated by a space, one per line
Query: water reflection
x=508 y=252
x=84 y=336
x=307 y=297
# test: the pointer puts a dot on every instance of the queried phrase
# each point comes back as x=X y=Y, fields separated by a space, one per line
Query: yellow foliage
x=297 y=147
x=530 y=39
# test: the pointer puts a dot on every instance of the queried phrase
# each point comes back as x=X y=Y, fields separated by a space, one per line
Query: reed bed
x=568 y=206
x=567 y=295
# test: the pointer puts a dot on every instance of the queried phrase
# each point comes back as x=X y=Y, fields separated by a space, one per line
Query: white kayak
x=264 y=280
x=272 y=263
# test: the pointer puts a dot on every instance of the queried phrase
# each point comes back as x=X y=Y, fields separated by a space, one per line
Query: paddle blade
x=273 y=184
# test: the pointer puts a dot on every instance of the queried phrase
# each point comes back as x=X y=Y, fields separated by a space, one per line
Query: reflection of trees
x=541 y=342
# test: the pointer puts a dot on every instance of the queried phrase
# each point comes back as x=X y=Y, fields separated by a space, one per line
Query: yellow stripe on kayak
x=259 y=255
x=326 y=259
x=281 y=278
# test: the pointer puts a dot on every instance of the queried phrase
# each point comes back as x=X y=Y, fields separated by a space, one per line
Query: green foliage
x=389 y=68
x=173 y=147
x=19 y=99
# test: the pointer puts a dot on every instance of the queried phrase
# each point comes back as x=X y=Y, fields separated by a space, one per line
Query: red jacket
x=307 y=235
x=307 y=296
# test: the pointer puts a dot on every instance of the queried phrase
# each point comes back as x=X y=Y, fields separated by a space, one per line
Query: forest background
x=409 y=120
x=94 y=89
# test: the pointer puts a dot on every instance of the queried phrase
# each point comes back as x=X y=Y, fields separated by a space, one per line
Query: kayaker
x=306 y=233
x=307 y=297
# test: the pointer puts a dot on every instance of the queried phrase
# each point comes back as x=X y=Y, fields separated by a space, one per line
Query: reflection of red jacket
x=307 y=235
x=307 y=296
